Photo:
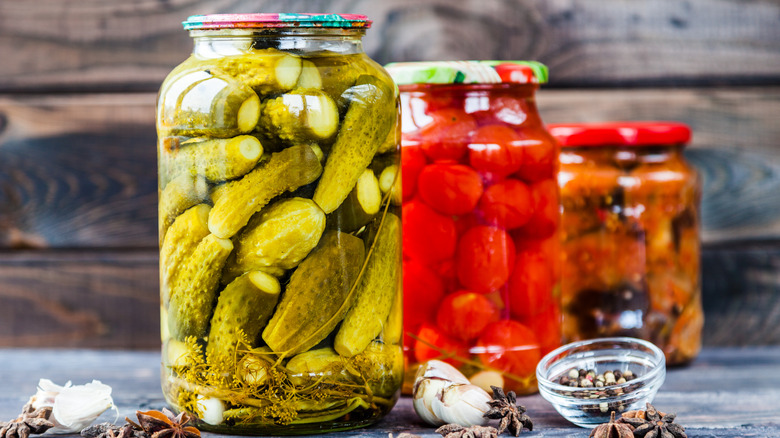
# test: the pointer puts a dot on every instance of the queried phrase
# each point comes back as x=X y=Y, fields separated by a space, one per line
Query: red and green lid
x=645 y=133
x=468 y=72
x=253 y=21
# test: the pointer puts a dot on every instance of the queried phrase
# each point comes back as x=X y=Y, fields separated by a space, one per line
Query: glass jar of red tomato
x=630 y=235
x=480 y=219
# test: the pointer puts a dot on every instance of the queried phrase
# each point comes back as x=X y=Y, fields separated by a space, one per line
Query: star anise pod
x=165 y=425
x=613 y=429
x=655 y=425
x=108 y=430
x=457 y=431
x=30 y=421
x=504 y=407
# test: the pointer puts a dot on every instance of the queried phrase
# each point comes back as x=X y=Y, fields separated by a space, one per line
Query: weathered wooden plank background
x=77 y=161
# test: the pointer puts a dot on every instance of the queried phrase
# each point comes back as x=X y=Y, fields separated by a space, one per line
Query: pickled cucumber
x=392 y=141
x=365 y=126
x=393 y=329
x=201 y=104
x=337 y=73
x=313 y=365
x=375 y=293
x=180 y=241
x=217 y=160
x=243 y=308
x=240 y=199
x=318 y=295
x=362 y=204
x=284 y=235
x=266 y=71
x=303 y=115
x=383 y=365
x=390 y=181
x=193 y=293
x=180 y=194
x=310 y=76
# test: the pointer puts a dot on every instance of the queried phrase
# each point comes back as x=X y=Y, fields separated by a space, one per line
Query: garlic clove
x=425 y=392
x=74 y=407
x=211 y=410
x=463 y=405
x=486 y=379
x=436 y=369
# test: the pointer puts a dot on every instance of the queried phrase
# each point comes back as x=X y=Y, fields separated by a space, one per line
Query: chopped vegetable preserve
x=480 y=204
x=280 y=229
x=630 y=235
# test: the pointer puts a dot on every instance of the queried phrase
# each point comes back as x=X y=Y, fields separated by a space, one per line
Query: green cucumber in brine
x=369 y=117
x=376 y=290
x=243 y=308
x=240 y=199
x=320 y=292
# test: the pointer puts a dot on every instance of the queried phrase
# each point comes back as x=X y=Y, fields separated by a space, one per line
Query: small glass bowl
x=589 y=407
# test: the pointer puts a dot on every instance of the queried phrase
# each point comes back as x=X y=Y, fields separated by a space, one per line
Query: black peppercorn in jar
x=280 y=247
x=630 y=235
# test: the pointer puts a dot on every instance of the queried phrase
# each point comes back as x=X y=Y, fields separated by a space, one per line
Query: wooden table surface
x=726 y=392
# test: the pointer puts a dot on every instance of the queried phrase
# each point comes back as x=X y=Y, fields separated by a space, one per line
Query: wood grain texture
x=79 y=299
x=97 y=45
x=78 y=171
x=723 y=394
x=741 y=288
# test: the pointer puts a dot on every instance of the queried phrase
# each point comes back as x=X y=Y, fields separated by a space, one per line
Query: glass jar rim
x=621 y=133
x=275 y=20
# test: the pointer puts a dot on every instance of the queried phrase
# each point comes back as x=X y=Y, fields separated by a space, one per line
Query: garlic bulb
x=441 y=395
x=74 y=407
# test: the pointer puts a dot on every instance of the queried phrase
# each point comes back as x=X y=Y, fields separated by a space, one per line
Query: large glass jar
x=630 y=235
x=280 y=255
x=480 y=219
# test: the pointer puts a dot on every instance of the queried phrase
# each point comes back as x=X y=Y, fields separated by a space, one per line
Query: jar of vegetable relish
x=630 y=235
x=480 y=219
x=280 y=248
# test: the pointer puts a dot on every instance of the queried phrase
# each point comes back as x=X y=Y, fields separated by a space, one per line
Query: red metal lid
x=646 y=133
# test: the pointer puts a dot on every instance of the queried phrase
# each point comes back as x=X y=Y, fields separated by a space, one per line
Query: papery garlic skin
x=74 y=407
x=442 y=394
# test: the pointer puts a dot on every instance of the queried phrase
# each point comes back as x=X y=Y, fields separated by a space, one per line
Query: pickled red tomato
x=412 y=162
x=547 y=327
x=427 y=235
x=485 y=258
x=510 y=346
x=539 y=160
x=445 y=269
x=530 y=286
x=549 y=248
x=446 y=137
x=432 y=343
x=423 y=290
x=465 y=314
x=449 y=188
x=507 y=204
x=496 y=149
x=544 y=220
x=466 y=222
